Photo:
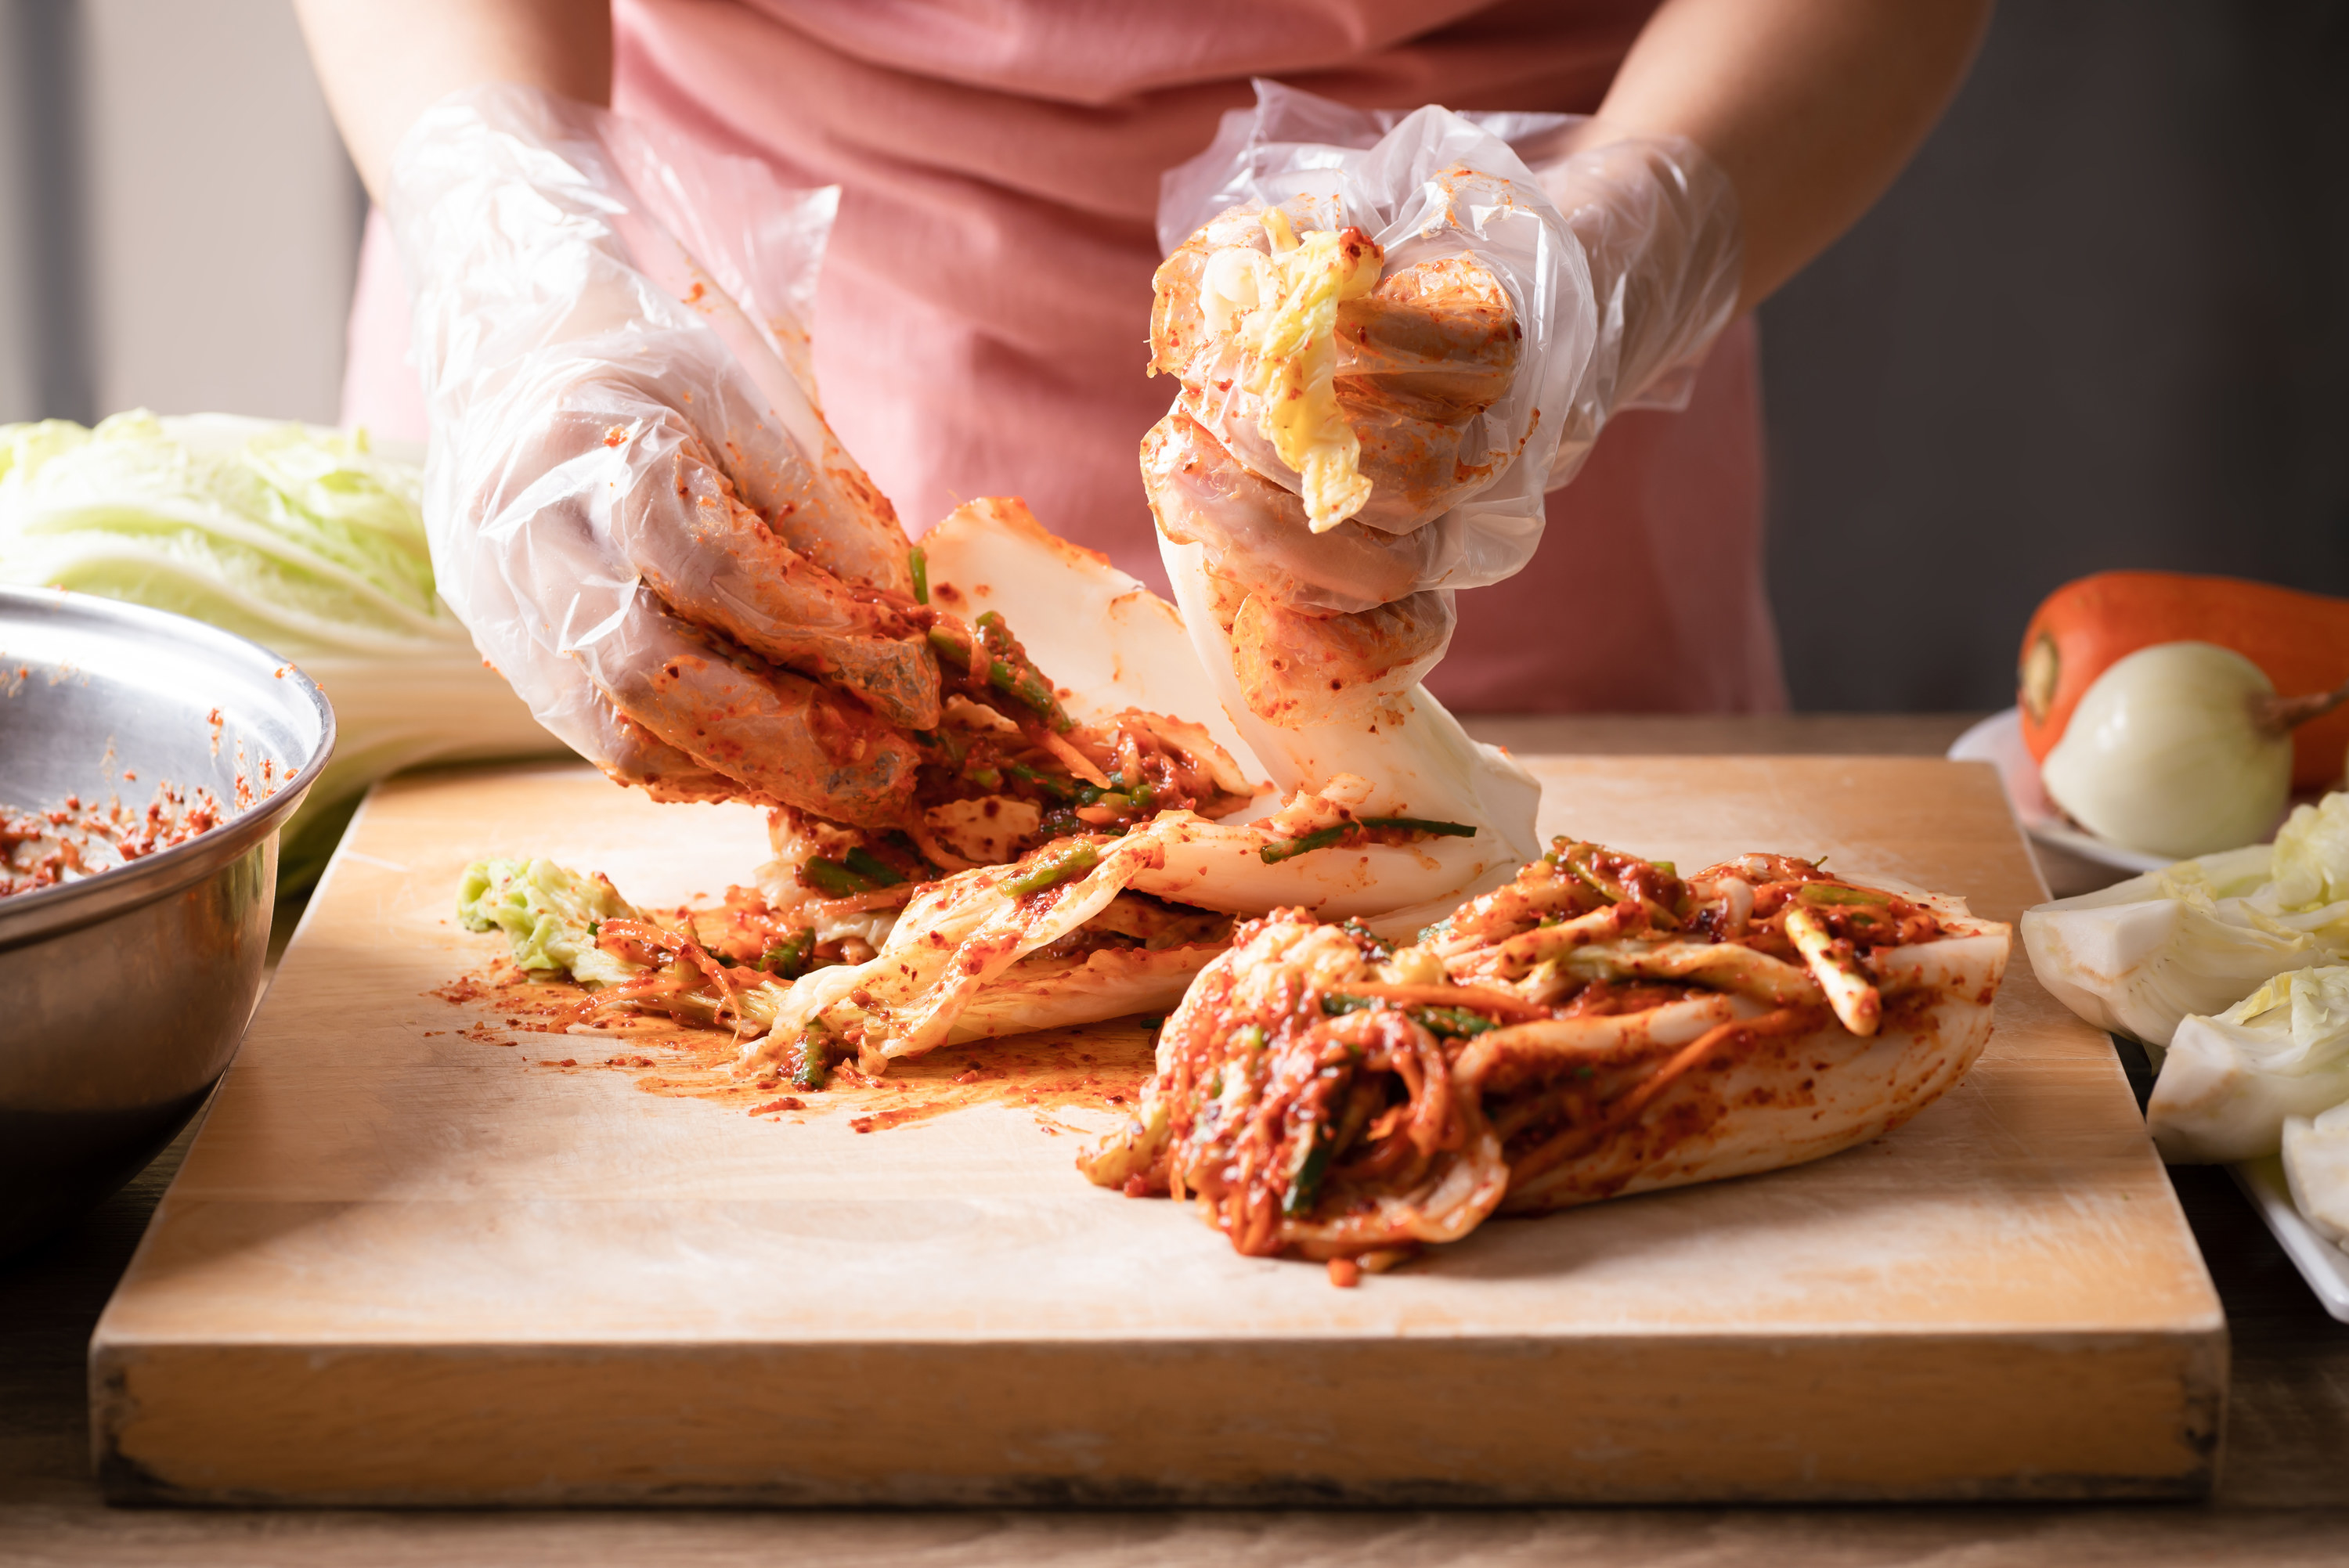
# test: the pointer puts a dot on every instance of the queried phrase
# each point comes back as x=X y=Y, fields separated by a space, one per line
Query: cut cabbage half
x=969 y=956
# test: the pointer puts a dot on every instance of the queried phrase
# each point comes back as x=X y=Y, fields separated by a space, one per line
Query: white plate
x=2324 y=1265
x=1998 y=740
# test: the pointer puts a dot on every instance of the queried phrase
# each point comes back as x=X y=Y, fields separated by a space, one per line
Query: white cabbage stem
x=2182 y=748
x=2316 y=1164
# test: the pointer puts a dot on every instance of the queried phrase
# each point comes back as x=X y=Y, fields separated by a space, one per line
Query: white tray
x=2324 y=1265
x=1998 y=740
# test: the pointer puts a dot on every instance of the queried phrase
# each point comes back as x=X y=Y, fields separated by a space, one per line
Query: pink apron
x=981 y=321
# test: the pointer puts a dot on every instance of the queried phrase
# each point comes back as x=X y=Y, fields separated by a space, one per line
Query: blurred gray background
x=2102 y=321
x=179 y=225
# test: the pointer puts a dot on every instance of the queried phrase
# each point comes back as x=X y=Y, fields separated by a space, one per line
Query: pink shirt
x=980 y=322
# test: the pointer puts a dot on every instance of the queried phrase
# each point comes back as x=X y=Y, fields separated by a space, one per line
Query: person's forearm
x=384 y=62
x=1811 y=107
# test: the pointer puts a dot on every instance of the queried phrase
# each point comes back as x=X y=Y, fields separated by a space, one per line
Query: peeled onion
x=2175 y=751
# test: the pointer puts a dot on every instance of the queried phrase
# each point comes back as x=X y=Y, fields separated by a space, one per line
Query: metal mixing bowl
x=124 y=995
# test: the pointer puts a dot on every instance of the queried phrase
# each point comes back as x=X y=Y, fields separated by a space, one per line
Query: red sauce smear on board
x=1100 y=1068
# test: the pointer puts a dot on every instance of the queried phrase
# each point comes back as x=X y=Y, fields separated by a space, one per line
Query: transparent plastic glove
x=1536 y=272
x=1658 y=223
x=634 y=503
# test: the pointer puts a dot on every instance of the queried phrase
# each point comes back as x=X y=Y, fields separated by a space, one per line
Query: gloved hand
x=1483 y=319
x=1657 y=225
x=633 y=501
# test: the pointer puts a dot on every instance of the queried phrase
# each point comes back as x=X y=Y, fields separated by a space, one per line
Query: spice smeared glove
x=633 y=501
x=1394 y=337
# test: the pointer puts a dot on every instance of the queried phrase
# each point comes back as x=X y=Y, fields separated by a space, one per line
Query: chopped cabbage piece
x=2199 y=936
x=2312 y=855
x=2317 y=1167
x=549 y=915
x=2227 y=1083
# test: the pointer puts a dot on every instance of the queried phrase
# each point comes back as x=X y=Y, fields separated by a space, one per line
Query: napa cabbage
x=308 y=541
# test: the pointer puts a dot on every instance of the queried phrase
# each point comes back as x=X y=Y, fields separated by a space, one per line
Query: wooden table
x=2283 y=1496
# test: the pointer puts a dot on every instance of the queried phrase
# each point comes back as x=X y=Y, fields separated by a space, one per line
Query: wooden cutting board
x=407 y=1264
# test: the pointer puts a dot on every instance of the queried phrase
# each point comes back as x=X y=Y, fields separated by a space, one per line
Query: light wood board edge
x=1823 y=1418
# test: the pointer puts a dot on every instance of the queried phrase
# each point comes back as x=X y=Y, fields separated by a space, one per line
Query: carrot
x=2081 y=629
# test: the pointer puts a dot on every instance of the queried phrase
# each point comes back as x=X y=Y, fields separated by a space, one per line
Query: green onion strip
x=1322 y=837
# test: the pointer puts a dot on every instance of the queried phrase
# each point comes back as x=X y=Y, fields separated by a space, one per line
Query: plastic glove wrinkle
x=634 y=504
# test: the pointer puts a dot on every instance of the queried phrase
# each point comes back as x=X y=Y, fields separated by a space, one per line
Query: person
x=981 y=321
